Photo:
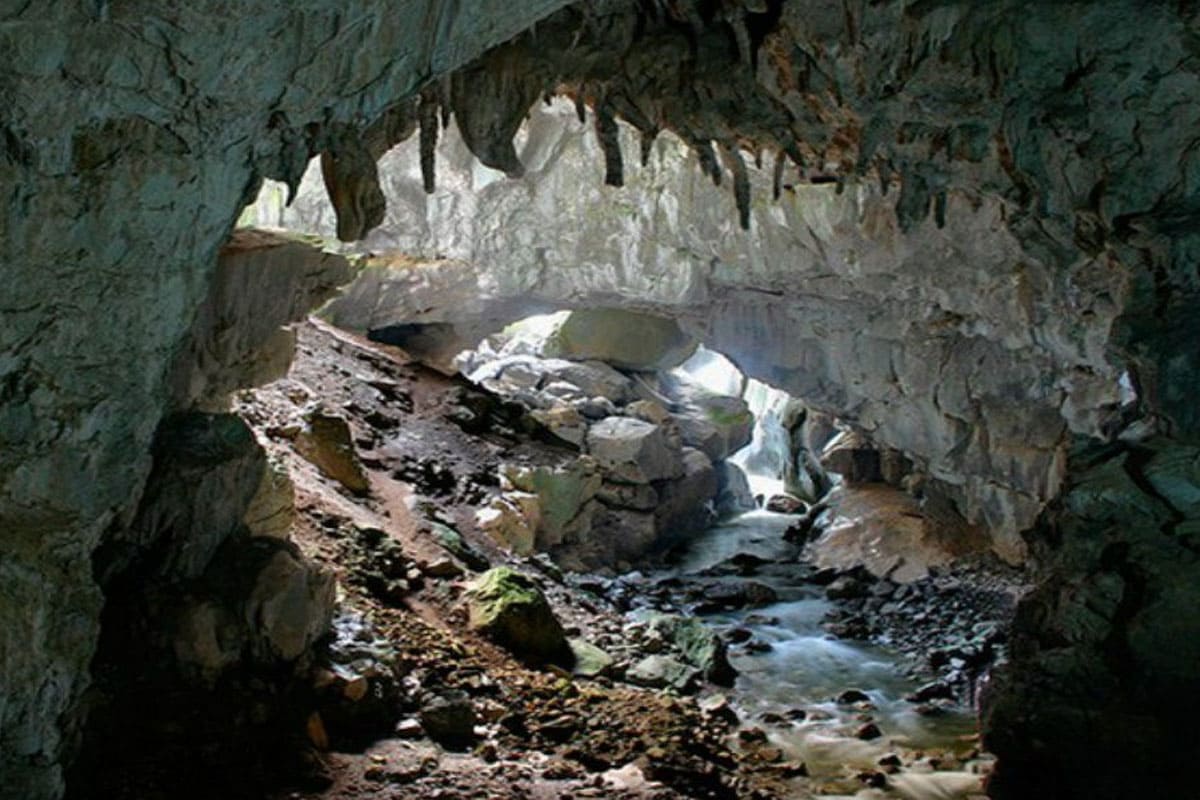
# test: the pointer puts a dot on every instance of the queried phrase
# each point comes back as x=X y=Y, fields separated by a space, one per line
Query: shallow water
x=807 y=669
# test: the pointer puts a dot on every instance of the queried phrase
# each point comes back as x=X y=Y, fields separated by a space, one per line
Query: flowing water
x=806 y=669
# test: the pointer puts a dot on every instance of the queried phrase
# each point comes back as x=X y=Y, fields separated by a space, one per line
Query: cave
x=260 y=531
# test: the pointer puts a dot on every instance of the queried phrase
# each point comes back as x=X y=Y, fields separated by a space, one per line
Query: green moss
x=726 y=418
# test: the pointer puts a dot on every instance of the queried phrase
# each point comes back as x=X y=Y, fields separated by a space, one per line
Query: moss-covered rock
x=511 y=610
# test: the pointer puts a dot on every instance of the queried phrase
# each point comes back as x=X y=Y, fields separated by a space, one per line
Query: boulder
x=624 y=339
x=739 y=594
x=512 y=520
x=734 y=495
x=563 y=493
x=636 y=496
x=563 y=421
x=618 y=534
x=453 y=543
x=290 y=606
x=633 y=450
x=701 y=647
x=660 y=672
x=718 y=425
x=590 y=660
x=685 y=505
x=509 y=608
x=449 y=719
x=890 y=533
x=272 y=510
x=786 y=504
x=326 y=443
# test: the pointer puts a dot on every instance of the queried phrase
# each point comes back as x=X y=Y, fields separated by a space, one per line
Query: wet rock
x=932 y=691
x=786 y=504
x=868 y=732
x=739 y=594
x=852 y=696
x=511 y=610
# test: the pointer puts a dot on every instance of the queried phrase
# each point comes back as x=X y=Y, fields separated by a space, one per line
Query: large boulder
x=512 y=520
x=328 y=444
x=524 y=377
x=563 y=493
x=624 y=339
x=618 y=535
x=685 y=505
x=634 y=451
x=509 y=608
x=734 y=495
x=890 y=533
x=698 y=644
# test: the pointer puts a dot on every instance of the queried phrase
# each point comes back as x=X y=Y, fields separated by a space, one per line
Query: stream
x=806 y=669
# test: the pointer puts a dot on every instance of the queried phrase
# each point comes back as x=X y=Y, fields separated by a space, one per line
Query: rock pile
x=653 y=444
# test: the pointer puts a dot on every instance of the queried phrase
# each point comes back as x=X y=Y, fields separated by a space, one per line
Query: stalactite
x=708 y=160
x=428 y=114
x=608 y=134
x=777 y=177
x=741 y=181
x=648 y=138
x=443 y=98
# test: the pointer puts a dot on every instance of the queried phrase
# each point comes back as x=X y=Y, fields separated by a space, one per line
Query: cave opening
x=972 y=260
x=697 y=529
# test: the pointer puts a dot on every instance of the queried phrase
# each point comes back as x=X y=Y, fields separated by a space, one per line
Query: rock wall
x=132 y=135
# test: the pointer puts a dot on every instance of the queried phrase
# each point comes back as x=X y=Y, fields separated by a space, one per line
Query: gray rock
x=658 y=672
x=512 y=611
x=449 y=719
x=622 y=338
x=734 y=495
x=633 y=450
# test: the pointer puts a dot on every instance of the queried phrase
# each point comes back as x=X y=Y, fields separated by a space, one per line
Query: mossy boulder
x=698 y=644
x=508 y=608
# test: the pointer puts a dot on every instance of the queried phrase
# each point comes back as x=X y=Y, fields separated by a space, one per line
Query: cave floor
x=539 y=733
x=561 y=737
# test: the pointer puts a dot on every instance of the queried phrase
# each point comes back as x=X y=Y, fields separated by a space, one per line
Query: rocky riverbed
x=677 y=679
